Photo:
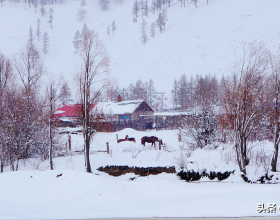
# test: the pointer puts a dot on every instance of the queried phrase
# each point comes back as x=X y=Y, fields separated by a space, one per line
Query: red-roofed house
x=68 y=115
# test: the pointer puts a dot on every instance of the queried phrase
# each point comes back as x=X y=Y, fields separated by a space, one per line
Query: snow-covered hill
x=199 y=40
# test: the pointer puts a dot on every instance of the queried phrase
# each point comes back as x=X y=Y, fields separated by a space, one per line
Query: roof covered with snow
x=118 y=108
x=73 y=110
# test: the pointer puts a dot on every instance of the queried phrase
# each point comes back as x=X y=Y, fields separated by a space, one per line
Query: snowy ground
x=40 y=194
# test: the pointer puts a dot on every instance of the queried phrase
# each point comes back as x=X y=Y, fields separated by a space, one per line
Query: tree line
x=241 y=107
x=27 y=126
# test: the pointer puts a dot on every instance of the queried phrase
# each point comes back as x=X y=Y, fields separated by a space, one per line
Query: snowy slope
x=196 y=41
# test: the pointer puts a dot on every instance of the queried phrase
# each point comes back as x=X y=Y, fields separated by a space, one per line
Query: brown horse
x=151 y=139
x=126 y=139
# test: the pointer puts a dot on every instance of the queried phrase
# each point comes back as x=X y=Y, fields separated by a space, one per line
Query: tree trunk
x=1 y=166
x=276 y=148
x=88 y=168
x=274 y=158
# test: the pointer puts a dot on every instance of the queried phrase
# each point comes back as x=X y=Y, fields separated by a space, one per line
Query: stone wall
x=142 y=171
x=194 y=176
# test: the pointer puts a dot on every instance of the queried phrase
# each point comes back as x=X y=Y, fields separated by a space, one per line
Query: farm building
x=121 y=111
x=124 y=110
x=68 y=115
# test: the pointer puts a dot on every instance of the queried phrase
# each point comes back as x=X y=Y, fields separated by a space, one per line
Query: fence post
x=117 y=137
x=159 y=143
x=69 y=141
x=107 y=143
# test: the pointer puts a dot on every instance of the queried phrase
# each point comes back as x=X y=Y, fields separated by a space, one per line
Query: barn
x=120 y=111
x=124 y=110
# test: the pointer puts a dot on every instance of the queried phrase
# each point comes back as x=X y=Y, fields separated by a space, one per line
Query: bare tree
x=52 y=97
x=95 y=63
x=5 y=78
x=244 y=99
x=29 y=68
x=274 y=87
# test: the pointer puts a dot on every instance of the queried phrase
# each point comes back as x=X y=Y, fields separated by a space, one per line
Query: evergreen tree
x=84 y=31
x=104 y=4
x=2 y=2
x=43 y=10
x=83 y=4
x=45 y=43
x=135 y=10
x=160 y=22
x=38 y=31
x=51 y=16
x=82 y=13
x=114 y=27
x=153 y=6
x=77 y=41
x=109 y=30
x=31 y=37
x=143 y=31
x=152 y=29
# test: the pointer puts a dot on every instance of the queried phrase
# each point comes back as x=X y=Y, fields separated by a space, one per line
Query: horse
x=151 y=139
x=126 y=139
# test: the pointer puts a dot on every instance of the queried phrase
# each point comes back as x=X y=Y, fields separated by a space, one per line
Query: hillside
x=203 y=40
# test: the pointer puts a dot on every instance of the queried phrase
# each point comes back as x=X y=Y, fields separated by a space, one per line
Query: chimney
x=119 y=98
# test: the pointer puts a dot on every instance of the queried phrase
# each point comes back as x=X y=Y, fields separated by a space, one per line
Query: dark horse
x=126 y=139
x=151 y=139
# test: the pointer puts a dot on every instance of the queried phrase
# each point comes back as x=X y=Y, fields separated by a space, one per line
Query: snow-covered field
x=39 y=194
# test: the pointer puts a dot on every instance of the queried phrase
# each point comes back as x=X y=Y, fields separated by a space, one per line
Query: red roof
x=74 y=110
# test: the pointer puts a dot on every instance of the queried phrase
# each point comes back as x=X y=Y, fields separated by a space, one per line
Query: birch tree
x=51 y=101
x=95 y=63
